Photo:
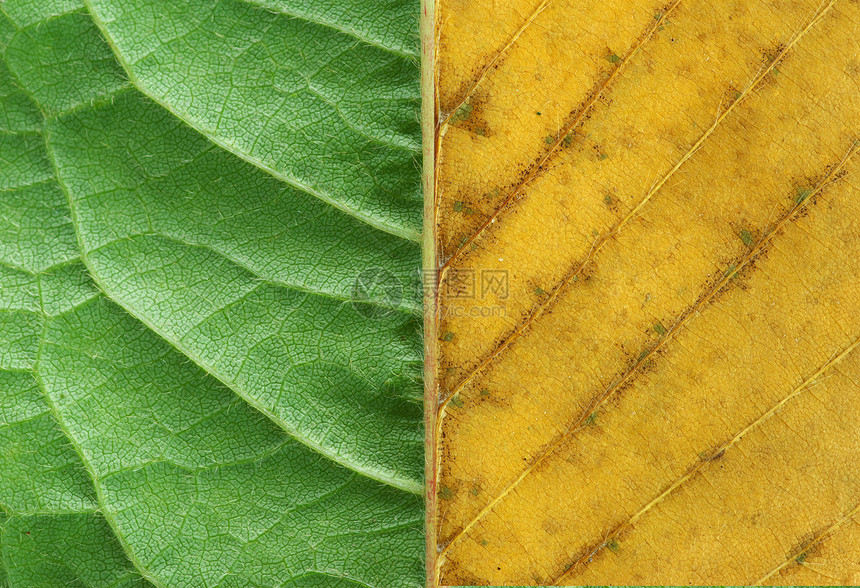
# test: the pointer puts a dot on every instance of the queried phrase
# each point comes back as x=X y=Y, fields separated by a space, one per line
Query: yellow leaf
x=645 y=358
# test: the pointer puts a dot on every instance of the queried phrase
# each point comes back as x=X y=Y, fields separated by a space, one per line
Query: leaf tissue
x=647 y=219
x=192 y=395
x=636 y=335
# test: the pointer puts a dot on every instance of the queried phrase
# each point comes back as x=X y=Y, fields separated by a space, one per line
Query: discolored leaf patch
x=665 y=390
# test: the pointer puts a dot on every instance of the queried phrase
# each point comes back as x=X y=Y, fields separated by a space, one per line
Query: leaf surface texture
x=665 y=391
x=194 y=394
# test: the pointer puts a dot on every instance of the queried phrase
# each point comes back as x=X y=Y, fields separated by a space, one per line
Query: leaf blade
x=636 y=226
x=192 y=481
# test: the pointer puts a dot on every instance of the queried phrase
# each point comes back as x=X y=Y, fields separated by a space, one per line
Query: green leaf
x=210 y=347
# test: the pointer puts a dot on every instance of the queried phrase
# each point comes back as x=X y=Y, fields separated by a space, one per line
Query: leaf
x=209 y=338
x=648 y=327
